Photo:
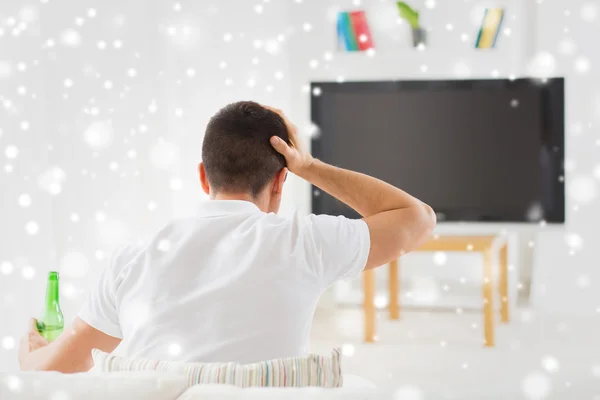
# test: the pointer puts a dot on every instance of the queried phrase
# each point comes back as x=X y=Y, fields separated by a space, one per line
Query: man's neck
x=241 y=197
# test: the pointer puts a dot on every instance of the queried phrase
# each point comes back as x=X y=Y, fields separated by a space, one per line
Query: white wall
x=569 y=283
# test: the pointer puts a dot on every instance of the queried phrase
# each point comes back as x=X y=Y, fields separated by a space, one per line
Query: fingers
x=32 y=327
x=281 y=146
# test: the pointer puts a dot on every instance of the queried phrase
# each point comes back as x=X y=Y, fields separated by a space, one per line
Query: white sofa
x=161 y=386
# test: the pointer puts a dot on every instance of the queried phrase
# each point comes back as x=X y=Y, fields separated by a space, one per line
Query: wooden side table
x=481 y=244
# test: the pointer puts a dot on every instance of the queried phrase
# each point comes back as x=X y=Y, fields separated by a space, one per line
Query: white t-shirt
x=229 y=284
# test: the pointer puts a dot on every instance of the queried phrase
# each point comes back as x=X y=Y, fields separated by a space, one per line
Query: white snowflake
x=348 y=350
x=440 y=258
x=589 y=11
x=596 y=171
x=11 y=151
x=8 y=342
x=312 y=131
x=542 y=65
x=583 y=281
x=550 y=364
x=430 y=4
x=32 y=228
x=14 y=383
x=174 y=349
x=99 y=135
x=60 y=395
x=28 y=272
x=462 y=70
x=51 y=180
x=131 y=72
x=176 y=184
x=582 y=64
x=24 y=200
x=408 y=393
x=272 y=46
x=574 y=241
x=6 y=268
x=28 y=14
x=316 y=91
x=68 y=290
x=567 y=47
x=380 y=301
x=536 y=386
x=582 y=189
x=68 y=38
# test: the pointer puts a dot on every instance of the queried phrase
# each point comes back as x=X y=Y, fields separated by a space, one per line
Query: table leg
x=488 y=296
x=369 y=304
x=504 y=312
x=394 y=289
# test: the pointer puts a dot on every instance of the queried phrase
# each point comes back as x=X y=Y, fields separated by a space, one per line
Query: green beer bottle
x=52 y=322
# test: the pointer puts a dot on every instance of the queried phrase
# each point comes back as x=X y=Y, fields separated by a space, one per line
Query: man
x=236 y=282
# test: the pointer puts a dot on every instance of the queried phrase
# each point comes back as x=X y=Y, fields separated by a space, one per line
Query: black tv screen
x=474 y=150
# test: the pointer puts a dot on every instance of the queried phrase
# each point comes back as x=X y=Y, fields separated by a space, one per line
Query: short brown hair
x=236 y=151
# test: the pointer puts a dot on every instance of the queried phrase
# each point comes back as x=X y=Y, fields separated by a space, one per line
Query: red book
x=361 y=30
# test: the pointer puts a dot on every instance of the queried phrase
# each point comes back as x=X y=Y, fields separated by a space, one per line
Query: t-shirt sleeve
x=100 y=310
x=340 y=246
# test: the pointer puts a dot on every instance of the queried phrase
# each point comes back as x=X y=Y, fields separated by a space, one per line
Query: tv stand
x=486 y=245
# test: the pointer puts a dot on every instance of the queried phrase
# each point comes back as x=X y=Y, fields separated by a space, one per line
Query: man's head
x=238 y=162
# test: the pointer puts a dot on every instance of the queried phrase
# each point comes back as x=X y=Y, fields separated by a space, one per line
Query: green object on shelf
x=409 y=14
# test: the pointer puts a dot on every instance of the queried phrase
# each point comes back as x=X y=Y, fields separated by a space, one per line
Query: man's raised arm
x=398 y=222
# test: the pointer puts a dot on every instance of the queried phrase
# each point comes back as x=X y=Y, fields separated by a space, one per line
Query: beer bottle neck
x=52 y=293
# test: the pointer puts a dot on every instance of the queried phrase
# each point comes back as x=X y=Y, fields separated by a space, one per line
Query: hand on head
x=296 y=155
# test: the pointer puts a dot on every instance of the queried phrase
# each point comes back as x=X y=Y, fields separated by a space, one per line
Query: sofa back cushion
x=310 y=370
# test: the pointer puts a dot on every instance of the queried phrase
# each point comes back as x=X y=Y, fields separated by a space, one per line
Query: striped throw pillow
x=310 y=370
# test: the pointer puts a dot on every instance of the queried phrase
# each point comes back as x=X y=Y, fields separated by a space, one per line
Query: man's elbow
x=426 y=221
x=429 y=219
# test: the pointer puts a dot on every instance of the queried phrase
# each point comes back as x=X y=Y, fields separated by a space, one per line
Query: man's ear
x=279 y=180
x=203 y=178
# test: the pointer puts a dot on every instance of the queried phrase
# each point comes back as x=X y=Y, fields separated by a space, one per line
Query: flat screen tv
x=475 y=150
